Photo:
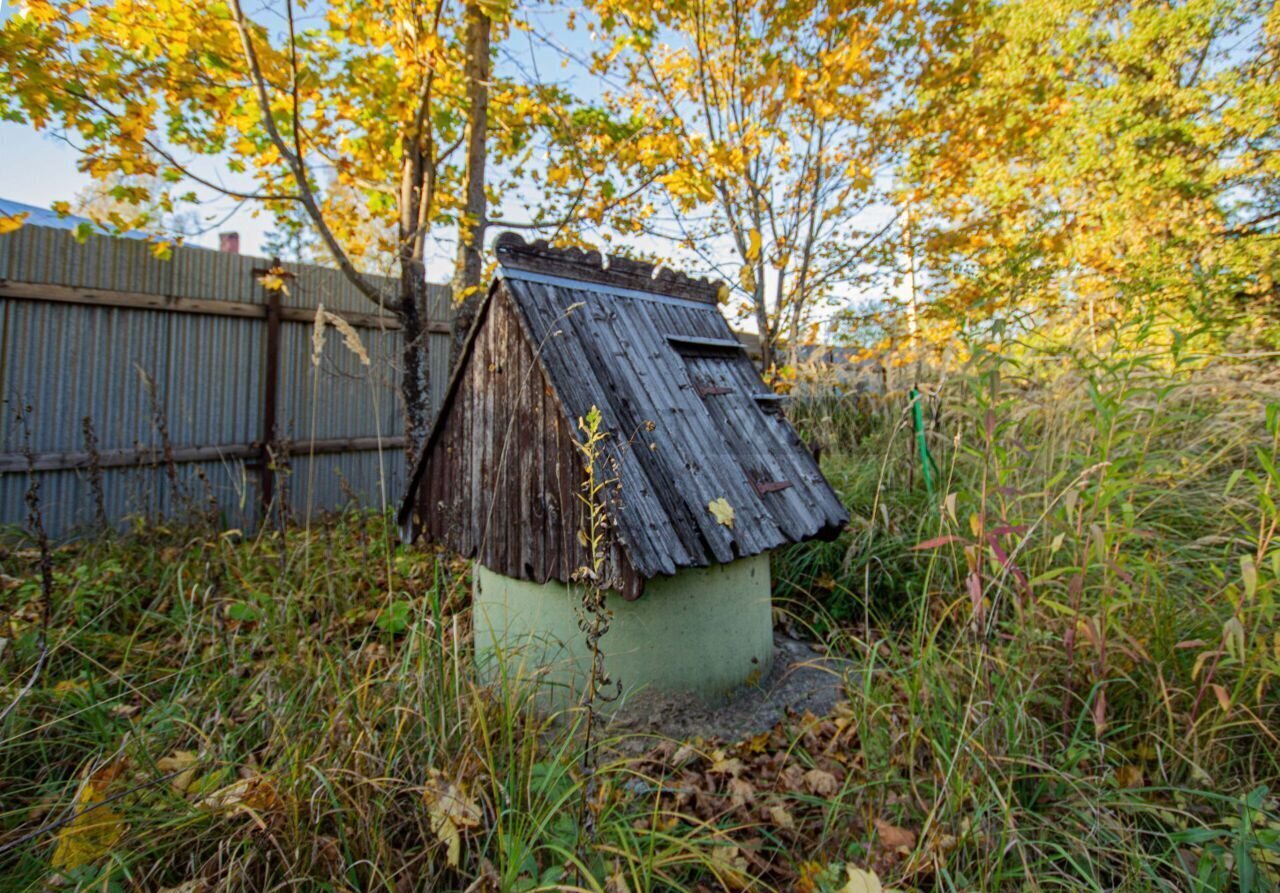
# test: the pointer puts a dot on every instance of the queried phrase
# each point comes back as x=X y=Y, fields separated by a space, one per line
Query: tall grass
x=1071 y=655
x=324 y=724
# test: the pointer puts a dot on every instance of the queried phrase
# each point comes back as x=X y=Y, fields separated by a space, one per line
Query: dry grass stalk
x=350 y=337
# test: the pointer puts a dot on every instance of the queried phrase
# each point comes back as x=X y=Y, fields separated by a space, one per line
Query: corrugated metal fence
x=138 y=386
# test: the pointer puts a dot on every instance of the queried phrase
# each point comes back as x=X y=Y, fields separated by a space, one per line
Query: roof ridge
x=539 y=256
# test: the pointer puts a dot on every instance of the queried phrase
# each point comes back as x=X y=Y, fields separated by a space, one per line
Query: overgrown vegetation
x=1075 y=646
x=234 y=715
x=1062 y=629
x=1065 y=675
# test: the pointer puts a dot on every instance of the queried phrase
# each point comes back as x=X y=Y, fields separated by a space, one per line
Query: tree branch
x=305 y=194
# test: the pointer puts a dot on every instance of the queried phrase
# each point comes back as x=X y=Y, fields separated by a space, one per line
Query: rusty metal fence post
x=270 y=396
x=270 y=381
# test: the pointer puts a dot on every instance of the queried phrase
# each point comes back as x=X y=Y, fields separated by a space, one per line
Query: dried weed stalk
x=35 y=525
x=592 y=609
x=95 y=474
x=160 y=420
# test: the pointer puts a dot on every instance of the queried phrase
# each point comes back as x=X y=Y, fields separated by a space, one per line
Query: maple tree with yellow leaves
x=769 y=122
x=1066 y=154
x=294 y=110
x=1098 y=159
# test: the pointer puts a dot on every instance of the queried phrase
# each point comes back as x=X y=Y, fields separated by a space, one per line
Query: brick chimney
x=229 y=243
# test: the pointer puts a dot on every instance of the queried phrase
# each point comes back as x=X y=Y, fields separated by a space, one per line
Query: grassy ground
x=1068 y=678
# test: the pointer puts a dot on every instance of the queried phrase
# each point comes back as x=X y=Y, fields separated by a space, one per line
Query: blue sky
x=40 y=168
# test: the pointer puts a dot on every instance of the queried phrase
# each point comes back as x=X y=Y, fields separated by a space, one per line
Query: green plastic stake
x=927 y=465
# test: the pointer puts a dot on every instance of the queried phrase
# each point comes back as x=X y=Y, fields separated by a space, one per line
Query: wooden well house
x=704 y=474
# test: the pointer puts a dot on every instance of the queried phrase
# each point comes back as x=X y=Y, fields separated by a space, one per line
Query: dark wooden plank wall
x=502 y=477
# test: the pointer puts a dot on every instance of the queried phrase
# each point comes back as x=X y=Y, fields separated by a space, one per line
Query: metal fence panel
x=192 y=380
x=340 y=396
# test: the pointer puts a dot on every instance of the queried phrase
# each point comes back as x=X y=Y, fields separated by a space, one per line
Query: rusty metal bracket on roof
x=762 y=487
x=707 y=390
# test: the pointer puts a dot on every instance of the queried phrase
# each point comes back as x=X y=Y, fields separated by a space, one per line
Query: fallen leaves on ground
x=822 y=783
x=183 y=762
x=777 y=784
x=898 y=839
x=617 y=883
x=773 y=794
x=731 y=867
x=861 y=881
x=254 y=796
x=451 y=811
x=1129 y=776
x=96 y=827
x=782 y=818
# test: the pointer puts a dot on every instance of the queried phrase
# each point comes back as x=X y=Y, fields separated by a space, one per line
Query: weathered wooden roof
x=689 y=420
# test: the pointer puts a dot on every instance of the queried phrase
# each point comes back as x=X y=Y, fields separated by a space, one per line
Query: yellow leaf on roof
x=722 y=511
